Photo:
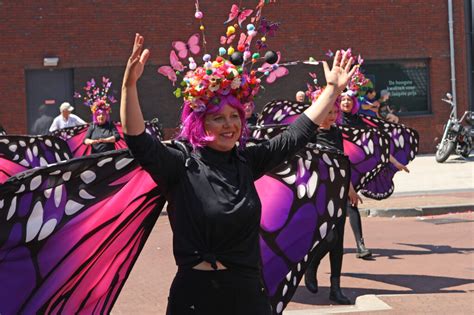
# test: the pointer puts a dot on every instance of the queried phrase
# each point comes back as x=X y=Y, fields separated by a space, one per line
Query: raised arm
x=130 y=113
x=267 y=155
x=336 y=79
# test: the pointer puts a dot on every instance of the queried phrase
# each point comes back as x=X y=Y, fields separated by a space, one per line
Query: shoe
x=335 y=293
x=310 y=280
x=362 y=251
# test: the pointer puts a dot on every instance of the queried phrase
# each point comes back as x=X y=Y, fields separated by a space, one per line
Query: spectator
x=300 y=96
x=65 y=119
x=386 y=112
x=42 y=124
x=369 y=105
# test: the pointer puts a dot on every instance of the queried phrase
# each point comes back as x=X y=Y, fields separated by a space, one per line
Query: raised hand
x=341 y=72
x=136 y=62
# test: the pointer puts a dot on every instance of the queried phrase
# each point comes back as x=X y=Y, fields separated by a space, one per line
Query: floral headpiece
x=357 y=80
x=234 y=72
x=98 y=98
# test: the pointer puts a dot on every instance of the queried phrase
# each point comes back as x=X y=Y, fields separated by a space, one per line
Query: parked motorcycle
x=457 y=137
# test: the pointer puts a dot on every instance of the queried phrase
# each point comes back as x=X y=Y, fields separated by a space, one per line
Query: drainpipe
x=451 y=53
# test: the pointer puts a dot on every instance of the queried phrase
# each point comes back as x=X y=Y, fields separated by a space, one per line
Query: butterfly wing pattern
x=404 y=144
x=74 y=136
x=301 y=201
x=71 y=232
x=280 y=112
x=368 y=150
x=20 y=153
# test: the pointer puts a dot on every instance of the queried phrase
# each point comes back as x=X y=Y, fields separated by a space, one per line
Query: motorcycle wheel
x=444 y=151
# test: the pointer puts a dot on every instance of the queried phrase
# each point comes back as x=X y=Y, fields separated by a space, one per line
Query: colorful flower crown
x=98 y=98
x=234 y=71
x=358 y=80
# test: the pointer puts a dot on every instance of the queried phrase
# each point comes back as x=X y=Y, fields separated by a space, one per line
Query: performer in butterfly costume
x=78 y=226
x=215 y=228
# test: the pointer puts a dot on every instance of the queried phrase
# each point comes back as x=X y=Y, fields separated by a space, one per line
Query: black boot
x=335 y=293
x=310 y=280
x=362 y=251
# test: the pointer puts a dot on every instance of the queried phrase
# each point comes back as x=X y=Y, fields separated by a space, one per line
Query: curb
x=363 y=303
x=417 y=211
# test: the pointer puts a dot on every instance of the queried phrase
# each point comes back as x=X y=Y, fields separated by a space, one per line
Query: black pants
x=356 y=223
x=216 y=292
x=334 y=244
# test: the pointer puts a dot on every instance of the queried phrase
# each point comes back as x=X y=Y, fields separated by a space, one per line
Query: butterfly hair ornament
x=234 y=74
x=98 y=99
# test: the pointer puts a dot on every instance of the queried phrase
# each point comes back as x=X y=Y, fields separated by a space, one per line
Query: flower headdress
x=98 y=98
x=233 y=73
x=353 y=87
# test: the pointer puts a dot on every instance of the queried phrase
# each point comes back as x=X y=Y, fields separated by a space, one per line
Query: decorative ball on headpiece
x=97 y=98
x=230 y=77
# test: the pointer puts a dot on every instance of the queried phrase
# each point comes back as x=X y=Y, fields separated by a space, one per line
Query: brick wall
x=97 y=36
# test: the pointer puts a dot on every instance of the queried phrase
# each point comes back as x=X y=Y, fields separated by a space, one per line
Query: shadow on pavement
x=411 y=284
x=460 y=159
x=427 y=249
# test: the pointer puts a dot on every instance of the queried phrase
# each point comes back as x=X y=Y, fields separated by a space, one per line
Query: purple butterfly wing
x=301 y=201
x=368 y=150
x=19 y=153
x=74 y=136
x=404 y=144
x=71 y=232
x=281 y=112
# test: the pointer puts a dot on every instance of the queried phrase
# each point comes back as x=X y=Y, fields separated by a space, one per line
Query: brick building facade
x=93 y=38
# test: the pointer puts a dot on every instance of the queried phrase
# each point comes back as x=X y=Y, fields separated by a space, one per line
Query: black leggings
x=334 y=244
x=216 y=292
x=356 y=223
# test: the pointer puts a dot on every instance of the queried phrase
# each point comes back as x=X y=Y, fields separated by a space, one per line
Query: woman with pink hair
x=213 y=206
x=102 y=133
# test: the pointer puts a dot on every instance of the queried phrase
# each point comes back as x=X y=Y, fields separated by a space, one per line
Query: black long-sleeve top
x=106 y=130
x=213 y=205
x=352 y=120
x=331 y=138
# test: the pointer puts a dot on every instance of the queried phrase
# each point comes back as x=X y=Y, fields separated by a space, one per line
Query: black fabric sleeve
x=269 y=154
x=89 y=132
x=163 y=163
x=115 y=133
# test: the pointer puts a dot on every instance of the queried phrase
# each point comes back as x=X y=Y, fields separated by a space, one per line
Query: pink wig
x=98 y=112
x=355 y=102
x=192 y=122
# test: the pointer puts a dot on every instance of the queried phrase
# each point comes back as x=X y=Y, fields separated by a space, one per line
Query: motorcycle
x=457 y=137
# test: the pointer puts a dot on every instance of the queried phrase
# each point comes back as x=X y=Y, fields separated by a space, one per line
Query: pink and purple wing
x=74 y=137
x=280 y=112
x=72 y=233
x=404 y=144
x=20 y=153
x=404 y=141
x=9 y=168
x=301 y=202
x=368 y=150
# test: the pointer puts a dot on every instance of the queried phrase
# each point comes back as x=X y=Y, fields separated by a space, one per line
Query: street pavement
x=423 y=260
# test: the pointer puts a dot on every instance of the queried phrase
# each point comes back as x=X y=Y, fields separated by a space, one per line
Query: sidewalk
x=430 y=188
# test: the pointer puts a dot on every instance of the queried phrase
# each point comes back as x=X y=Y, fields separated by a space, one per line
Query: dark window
x=406 y=80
